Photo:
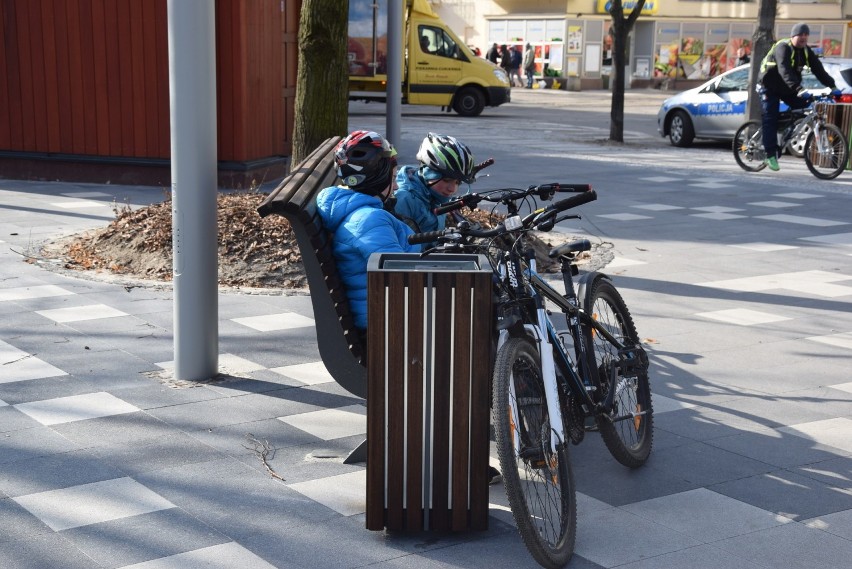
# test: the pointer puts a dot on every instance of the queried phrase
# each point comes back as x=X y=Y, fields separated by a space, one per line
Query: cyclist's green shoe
x=772 y=162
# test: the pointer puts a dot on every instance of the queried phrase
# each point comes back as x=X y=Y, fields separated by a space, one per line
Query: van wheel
x=469 y=102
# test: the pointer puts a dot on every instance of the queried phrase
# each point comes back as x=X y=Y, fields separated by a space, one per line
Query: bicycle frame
x=551 y=351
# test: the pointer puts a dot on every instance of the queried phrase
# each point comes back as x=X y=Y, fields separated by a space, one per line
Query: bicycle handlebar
x=529 y=221
x=543 y=191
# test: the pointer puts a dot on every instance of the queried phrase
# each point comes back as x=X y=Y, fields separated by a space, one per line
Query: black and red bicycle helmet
x=365 y=162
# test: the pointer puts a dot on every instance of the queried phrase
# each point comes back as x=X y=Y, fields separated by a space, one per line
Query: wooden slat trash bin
x=429 y=357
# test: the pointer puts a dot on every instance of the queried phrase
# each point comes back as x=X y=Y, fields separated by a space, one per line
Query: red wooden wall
x=91 y=77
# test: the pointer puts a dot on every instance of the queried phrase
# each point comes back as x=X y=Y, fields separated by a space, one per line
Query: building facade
x=672 y=39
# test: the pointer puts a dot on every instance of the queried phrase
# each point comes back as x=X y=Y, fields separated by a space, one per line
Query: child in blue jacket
x=445 y=163
x=354 y=213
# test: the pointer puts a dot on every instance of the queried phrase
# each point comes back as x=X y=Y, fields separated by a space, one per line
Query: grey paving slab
x=835 y=472
x=699 y=557
x=55 y=471
x=128 y=428
x=31 y=443
x=236 y=499
x=17 y=524
x=787 y=493
x=721 y=517
x=838 y=523
x=177 y=449
x=777 y=448
x=702 y=464
x=44 y=550
x=793 y=546
x=143 y=538
x=209 y=413
x=612 y=525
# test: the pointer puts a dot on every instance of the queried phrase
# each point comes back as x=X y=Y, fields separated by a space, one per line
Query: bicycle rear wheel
x=628 y=428
x=826 y=155
x=748 y=147
x=539 y=483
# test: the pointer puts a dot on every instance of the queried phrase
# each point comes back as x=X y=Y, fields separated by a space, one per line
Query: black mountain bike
x=826 y=150
x=561 y=358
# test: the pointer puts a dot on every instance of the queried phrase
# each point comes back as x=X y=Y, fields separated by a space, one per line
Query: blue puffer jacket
x=360 y=227
x=415 y=201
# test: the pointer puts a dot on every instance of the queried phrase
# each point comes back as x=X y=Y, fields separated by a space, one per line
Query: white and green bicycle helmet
x=446 y=156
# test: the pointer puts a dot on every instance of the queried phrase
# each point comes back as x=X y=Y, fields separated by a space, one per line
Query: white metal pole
x=394 y=86
x=192 y=93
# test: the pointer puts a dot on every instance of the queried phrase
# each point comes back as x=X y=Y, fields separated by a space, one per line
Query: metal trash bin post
x=429 y=344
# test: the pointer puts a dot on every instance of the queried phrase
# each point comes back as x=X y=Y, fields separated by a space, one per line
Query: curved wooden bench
x=340 y=345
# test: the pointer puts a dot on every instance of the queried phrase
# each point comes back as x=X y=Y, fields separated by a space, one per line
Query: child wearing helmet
x=354 y=213
x=445 y=163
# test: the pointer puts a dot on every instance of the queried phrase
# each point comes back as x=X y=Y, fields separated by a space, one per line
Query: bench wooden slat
x=338 y=340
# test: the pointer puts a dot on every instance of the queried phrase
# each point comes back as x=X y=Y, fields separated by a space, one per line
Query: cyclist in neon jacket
x=781 y=80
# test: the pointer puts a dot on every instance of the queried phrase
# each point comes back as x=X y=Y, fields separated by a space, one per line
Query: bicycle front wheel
x=628 y=428
x=826 y=152
x=748 y=147
x=539 y=483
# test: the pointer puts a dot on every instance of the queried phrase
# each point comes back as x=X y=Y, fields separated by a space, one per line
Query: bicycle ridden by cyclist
x=354 y=213
x=781 y=80
x=445 y=163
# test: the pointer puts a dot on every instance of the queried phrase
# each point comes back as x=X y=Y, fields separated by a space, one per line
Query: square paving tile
x=26 y=292
x=800 y=220
x=792 y=546
x=154 y=536
x=657 y=207
x=842 y=340
x=798 y=196
x=833 y=239
x=775 y=204
x=76 y=408
x=720 y=516
x=229 y=554
x=839 y=524
x=17 y=365
x=312 y=373
x=273 y=322
x=621 y=545
x=788 y=494
x=835 y=432
x=624 y=216
x=742 y=316
x=344 y=493
x=329 y=424
x=717 y=216
x=92 y=503
x=619 y=262
x=762 y=247
x=81 y=313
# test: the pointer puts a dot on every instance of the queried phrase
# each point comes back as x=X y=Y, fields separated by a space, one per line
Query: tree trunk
x=621 y=27
x=761 y=43
x=322 y=80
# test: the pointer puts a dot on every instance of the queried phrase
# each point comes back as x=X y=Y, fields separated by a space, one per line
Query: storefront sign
x=650 y=7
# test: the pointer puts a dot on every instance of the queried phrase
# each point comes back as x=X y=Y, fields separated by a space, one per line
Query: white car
x=716 y=109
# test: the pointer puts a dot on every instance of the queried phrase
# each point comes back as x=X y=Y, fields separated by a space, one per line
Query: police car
x=716 y=109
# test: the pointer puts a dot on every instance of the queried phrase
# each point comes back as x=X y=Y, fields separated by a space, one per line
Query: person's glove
x=836 y=93
x=805 y=96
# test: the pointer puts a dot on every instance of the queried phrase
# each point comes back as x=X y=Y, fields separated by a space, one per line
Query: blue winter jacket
x=415 y=201
x=360 y=227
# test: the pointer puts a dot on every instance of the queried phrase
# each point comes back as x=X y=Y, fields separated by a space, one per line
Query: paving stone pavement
x=742 y=291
